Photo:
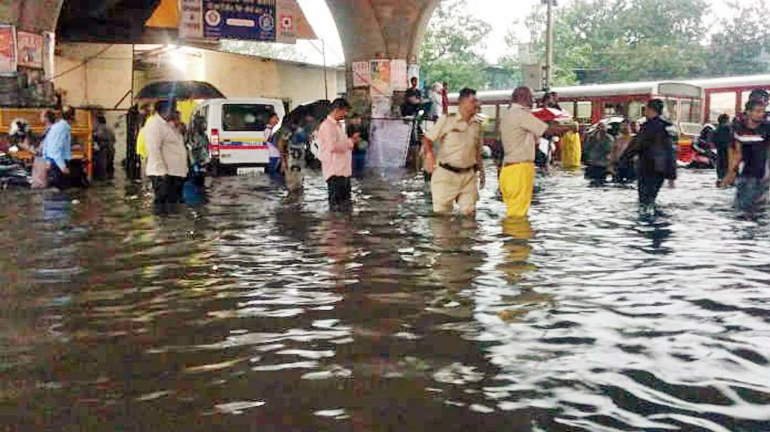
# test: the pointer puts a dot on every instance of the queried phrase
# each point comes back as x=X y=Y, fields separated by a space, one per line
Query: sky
x=500 y=14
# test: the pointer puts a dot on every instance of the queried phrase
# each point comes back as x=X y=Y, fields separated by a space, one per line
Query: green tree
x=740 y=47
x=624 y=40
x=453 y=48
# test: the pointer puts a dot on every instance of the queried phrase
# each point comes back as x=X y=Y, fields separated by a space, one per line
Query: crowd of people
x=173 y=154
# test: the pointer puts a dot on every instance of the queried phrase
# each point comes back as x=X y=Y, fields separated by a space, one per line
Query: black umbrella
x=165 y=90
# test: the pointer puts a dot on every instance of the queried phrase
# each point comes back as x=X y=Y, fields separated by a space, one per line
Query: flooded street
x=251 y=313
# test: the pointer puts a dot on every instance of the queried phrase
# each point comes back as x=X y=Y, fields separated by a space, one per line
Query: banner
x=191 y=19
x=380 y=83
x=362 y=74
x=30 y=49
x=7 y=50
x=398 y=75
x=239 y=19
x=389 y=143
x=287 y=12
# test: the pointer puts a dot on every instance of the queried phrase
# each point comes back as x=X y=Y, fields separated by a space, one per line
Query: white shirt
x=166 y=152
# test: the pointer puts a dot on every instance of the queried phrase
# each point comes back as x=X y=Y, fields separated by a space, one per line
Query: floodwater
x=252 y=313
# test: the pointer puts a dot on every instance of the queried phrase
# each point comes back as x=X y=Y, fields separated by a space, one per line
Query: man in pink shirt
x=337 y=155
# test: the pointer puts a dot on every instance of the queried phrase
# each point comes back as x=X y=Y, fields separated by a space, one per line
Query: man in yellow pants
x=520 y=130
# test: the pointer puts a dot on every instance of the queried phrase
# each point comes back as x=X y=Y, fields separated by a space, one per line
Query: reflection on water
x=249 y=311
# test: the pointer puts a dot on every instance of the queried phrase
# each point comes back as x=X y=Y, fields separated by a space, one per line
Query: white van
x=236 y=130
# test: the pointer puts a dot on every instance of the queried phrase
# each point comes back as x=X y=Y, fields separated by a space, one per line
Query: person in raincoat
x=657 y=159
x=571 y=150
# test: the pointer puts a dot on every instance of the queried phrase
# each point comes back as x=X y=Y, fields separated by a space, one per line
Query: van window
x=246 y=117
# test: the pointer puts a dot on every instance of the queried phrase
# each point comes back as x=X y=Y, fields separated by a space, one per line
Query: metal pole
x=326 y=80
x=549 y=45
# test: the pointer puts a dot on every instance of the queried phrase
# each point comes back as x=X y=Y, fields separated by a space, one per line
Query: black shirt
x=411 y=109
x=655 y=146
x=755 y=143
x=723 y=137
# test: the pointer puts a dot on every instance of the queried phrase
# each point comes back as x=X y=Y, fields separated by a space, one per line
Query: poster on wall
x=191 y=19
x=389 y=143
x=7 y=49
x=380 y=83
x=287 y=13
x=362 y=74
x=398 y=75
x=239 y=19
x=30 y=49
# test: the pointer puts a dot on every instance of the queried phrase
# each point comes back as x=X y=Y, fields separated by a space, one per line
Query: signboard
x=398 y=75
x=191 y=19
x=7 y=50
x=389 y=143
x=287 y=12
x=362 y=74
x=239 y=19
x=380 y=83
x=30 y=49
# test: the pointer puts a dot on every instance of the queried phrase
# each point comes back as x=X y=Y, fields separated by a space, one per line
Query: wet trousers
x=723 y=158
x=339 y=193
x=649 y=186
x=517 y=184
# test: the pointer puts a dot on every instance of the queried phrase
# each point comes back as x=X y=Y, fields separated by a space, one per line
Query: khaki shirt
x=459 y=141
x=520 y=130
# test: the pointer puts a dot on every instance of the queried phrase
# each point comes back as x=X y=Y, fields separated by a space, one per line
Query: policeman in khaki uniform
x=454 y=178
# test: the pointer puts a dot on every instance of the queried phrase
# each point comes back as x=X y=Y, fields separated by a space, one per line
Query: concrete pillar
x=388 y=29
x=28 y=87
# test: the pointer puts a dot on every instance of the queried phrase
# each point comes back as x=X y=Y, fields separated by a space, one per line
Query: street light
x=549 y=42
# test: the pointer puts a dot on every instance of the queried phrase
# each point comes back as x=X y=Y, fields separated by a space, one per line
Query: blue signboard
x=238 y=19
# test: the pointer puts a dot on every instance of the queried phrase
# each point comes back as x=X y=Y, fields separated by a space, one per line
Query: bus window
x=611 y=109
x=584 y=112
x=721 y=103
x=697 y=111
x=569 y=107
x=491 y=112
x=685 y=113
x=671 y=110
x=635 y=111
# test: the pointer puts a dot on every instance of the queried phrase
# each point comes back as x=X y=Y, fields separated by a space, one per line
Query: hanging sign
x=287 y=13
x=239 y=19
x=7 y=50
x=362 y=74
x=398 y=75
x=380 y=83
x=191 y=19
x=30 y=48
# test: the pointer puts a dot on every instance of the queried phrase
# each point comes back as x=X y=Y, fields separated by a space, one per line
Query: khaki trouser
x=448 y=187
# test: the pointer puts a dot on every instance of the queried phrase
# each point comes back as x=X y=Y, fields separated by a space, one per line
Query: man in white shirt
x=166 y=156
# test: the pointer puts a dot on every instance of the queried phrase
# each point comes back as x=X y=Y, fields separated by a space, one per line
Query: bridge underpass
x=369 y=29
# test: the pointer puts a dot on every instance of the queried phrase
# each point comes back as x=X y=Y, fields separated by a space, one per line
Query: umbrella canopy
x=552 y=115
x=180 y=90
